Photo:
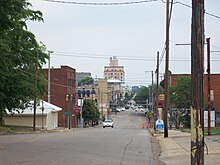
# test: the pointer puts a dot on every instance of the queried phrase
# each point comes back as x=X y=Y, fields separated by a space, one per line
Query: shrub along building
x=63 y=93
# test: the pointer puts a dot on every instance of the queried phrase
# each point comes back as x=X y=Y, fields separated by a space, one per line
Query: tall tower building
x=114 y=71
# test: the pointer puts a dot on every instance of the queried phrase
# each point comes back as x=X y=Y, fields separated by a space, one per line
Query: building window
x=70 y=82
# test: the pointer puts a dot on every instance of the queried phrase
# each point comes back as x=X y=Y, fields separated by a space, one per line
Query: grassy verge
x=8 y=129
x=214 y=131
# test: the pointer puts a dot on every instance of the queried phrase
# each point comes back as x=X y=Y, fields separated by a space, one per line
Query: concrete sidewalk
x=175 y=150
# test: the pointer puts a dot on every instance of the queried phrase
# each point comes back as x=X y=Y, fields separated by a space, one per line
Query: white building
x=48 y=118
x=114 y=71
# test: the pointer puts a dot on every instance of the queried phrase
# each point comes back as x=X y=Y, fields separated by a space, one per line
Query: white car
x=118 y=109
x=108 y=123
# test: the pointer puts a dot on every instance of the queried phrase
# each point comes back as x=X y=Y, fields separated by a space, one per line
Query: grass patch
x=4 y=129
x=14 y=127
x=214 y=131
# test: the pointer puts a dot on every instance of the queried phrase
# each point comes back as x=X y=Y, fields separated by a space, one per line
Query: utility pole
x=209 y=85
x=157 y=88
x=152 y=91
x=42 y=102
x=35 y=96
x=166 y=90
x=197 y=74
x=49 y=52
x=152 y=97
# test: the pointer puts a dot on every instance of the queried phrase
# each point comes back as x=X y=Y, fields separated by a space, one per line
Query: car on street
x=108 y=123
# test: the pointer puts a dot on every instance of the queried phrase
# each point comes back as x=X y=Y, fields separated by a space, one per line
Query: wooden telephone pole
x=197 y=74
x=157 y=88
x=166 y=89
x=35 y=97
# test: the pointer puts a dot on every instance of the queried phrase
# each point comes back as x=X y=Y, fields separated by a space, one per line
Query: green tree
x=89 y=111
x=18 y=49
x=180 y=99
x=180 y=94
x=145 y=94
x=128 y=96
x=86 y=81
x=142 y=95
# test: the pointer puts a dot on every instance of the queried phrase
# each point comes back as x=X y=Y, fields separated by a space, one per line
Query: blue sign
x=159 y=124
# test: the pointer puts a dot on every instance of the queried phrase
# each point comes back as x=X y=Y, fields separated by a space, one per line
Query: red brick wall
x=215 y=85
x=62 y=83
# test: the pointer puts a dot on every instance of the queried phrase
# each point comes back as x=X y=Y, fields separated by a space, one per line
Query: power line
x=186 y=5
x=101 y=57
x=101 y=3
x=73 y=55
x=128 y=81
x=122 y=3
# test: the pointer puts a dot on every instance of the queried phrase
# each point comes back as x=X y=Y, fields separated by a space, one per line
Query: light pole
x=49 y=52
x=81 y=119
x=42 y=114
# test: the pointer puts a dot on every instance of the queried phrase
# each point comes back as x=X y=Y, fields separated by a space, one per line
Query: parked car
x=108 y=123
x=123 y=109
x=118 y=109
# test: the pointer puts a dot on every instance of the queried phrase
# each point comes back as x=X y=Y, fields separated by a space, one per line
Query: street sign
x=67 y=113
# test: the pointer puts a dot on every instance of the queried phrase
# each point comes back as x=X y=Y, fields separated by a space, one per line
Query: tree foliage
x=90 y=111
x=86 y=81
x=180 y=94
x=142 y=95
x=180 y=98
x=18 y=52
x=145 y=93
x=128 y=96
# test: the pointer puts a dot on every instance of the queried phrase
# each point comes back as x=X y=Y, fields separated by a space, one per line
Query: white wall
x=212 y=118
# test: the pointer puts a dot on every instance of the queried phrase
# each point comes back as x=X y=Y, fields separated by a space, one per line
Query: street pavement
x=175 y=150
x=125 y=144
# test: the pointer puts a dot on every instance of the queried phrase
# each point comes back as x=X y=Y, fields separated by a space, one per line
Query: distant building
x=99 y=94
x=82 y=75
x=115 y=76
x=114 y=71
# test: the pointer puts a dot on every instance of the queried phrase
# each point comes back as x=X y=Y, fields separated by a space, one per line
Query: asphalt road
x=125 y=144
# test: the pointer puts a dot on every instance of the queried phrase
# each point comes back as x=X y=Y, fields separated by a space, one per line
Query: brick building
x=63 y=93
x=215 y=87
x=215 y=91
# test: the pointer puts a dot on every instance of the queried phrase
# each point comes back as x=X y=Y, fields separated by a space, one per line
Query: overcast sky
x=84 y=37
